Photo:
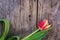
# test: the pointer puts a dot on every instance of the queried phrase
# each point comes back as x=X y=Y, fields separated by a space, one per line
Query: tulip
x=43 y=26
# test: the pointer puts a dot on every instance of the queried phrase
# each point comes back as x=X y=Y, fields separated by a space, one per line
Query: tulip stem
x=31 y=34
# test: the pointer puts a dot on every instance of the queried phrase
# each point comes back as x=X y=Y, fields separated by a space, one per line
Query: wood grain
x=28 y=17
x=22 y=15
x=48 y=9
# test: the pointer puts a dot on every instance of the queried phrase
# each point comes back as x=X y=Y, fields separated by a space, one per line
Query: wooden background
x=25 y=15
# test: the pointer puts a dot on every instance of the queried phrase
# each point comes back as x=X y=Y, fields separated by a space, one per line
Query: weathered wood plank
x=48 y=9
x=22 y=15
x=28 y=16
x=9 y=9
x=3 y=13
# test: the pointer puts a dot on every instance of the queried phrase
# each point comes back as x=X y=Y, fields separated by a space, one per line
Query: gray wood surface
x=24 y=16
x=49 y=9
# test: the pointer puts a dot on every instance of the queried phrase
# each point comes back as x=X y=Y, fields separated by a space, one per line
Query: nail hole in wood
x=30 y=17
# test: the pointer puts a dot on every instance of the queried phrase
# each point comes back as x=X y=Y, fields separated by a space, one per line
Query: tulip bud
x=44 y=25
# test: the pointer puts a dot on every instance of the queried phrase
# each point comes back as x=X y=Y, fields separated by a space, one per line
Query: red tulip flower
x=44 y=25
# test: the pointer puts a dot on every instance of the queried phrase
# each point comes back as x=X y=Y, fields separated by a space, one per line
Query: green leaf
x=6 y=30
x=14 y=38
x=42 y=36
x=38 y=35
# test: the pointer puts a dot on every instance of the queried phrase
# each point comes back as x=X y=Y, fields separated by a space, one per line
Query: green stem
x=31 y=34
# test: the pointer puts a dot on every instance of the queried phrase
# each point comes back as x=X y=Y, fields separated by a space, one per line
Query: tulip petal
x=44 y=25
x=48 y=26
